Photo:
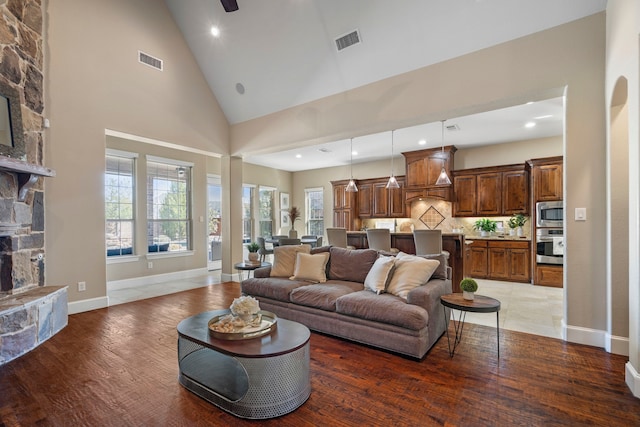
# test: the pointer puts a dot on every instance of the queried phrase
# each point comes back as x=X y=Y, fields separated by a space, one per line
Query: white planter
x=467 y=295
x=293 y=234
x=484 y=233
x=512 y=232
x=519 y=231
x=253 y=256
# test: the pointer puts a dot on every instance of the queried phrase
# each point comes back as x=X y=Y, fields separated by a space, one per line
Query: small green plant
x=485 y=224
x=517 y=220
x=468 y=285
x=253 y=247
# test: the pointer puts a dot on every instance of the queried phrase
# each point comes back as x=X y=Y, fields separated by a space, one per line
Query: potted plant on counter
x=468 y=286
x=516 y=222
x=485 y=226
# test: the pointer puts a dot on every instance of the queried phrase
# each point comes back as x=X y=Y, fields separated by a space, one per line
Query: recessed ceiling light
x=240 y=88
x=354 y=152
x=422 y=142
x=298 y=156
x=530 y=124
x=543 y=117
x=215 y=31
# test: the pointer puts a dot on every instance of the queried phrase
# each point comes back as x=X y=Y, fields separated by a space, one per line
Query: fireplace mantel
x=28 y=173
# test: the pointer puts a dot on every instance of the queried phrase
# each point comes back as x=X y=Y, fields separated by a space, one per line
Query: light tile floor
x=523 y=307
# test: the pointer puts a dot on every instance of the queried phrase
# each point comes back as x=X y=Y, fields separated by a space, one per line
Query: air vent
x=452 y=128
x=324 y=150
x=347 y=40
x=149 y=60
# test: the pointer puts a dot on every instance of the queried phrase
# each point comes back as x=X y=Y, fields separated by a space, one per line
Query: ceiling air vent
x=347 y=40
x=149 y=60
x=452 y=128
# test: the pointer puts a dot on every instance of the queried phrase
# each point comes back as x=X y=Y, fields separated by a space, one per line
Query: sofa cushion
x=379 y=275
x=410 y=272
x=284 y=259
x=383 y=308
x=324 y=295
x=278 y=288
x=441 y=271
x=311 y=267
x=351 y=265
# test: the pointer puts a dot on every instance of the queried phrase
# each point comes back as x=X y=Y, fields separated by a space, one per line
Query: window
x=247 y=214
x=168 y=205
x=265 y=211
x=119 y=204
x=314 y=211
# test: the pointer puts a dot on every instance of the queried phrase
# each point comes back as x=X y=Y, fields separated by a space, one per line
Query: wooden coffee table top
x=288 y=336
x=480 y=303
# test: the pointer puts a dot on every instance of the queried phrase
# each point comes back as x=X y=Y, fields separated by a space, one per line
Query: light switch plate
x=581 y=214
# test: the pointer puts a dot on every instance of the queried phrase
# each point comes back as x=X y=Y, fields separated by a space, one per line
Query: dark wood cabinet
x=548 y=275
x=344 y=206
x=375 y=200
x=476 y=259
x=493 y=191
x=548 y=182
x=380 y=200
x=498 y=260
x=365 y=198
x=423 y=167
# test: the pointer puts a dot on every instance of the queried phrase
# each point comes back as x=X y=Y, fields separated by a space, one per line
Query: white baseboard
x=617 y=345
x=155 y=279
x=632 y=378
x=226 y=277
x=75 y=307
x=587 y=336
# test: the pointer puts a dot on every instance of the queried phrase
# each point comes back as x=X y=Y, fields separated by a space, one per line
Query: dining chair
x=380 y=239
x=308 y=239
x=288 y=241
x=319 y=242
x=263 y=251
x=337 y=236
x=428 y=242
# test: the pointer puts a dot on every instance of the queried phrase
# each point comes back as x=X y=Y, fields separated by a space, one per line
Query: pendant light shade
x=393 y=182
x=443 y=178
x=351 y=187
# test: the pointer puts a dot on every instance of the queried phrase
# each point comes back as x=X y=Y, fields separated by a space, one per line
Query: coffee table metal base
x=254 y=388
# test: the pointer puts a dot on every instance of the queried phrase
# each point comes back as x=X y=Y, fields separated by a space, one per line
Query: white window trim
x=176 y=254
x=122 y=259
x=120 y=153
x=157 y=159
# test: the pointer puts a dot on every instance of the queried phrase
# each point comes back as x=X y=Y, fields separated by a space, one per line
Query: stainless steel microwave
x=549 y=214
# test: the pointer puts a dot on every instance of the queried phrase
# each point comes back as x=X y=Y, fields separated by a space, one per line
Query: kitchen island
x=451 y=242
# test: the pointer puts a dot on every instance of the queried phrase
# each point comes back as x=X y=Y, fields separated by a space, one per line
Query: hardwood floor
x=118 y=367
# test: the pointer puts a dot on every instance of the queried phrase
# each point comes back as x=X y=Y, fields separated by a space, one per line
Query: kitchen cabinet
x=547 y=181
x=499 y=260
x=422 y=168
x=492 y=191
x=548 y=275
x=375 y=200
x=344 y=206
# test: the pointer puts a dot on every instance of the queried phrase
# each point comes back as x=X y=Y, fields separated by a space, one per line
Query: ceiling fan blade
x=229 y=5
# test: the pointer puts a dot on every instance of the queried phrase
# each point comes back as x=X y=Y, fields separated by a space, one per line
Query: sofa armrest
x=428 y=295
x=262 y=272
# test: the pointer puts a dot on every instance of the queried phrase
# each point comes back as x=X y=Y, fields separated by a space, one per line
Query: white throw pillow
x=379 y=275
x=311 y=267
x=284 y=259
x=410 y=272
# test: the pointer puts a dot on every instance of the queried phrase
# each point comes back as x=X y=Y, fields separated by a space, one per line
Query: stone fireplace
x=30 y=312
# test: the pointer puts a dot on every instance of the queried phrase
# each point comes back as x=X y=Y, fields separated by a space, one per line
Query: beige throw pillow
x=311 y=267
x=284 y=259
x=410 y=272
x=379 y=275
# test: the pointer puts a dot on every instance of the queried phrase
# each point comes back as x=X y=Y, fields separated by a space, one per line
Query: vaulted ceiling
x=274 y=54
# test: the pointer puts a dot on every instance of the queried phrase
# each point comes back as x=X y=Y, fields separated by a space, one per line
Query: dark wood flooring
x=118 y=367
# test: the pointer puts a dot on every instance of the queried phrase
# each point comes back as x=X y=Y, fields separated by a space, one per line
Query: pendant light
x=393 y=183
x=351 y=187
x=443 y=178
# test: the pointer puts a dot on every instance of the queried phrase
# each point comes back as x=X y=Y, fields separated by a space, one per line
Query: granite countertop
x=497 y=237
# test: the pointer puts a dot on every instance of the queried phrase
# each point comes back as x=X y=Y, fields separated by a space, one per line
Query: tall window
x=247 y=213
x=314 y=210
x=119 y=203
x=265 y=211
x=168 y=205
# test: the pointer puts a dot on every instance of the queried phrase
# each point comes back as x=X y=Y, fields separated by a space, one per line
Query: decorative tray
x=268 y=323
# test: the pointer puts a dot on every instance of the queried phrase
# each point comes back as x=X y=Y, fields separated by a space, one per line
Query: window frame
x=308 y=211
x=133 y=256
x=272 y=217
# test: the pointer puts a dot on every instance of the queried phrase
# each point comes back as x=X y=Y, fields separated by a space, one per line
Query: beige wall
x=623 y=59
x=507 y=154
x=93 y=82
x=568 y=59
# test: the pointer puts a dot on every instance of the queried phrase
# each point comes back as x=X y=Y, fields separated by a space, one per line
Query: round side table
x=246 y=266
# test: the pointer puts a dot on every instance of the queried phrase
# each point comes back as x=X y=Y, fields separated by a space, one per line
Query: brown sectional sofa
x=343 y=307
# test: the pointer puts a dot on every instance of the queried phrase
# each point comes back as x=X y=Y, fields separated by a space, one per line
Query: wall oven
x=549 y=214
x=549 y=246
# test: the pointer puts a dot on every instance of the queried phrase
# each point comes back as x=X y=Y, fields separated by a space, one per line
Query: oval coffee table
x=480 y=304
x=256 y=378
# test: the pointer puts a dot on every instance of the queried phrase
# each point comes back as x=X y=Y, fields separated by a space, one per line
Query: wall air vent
x=452 y=128
x=324 y=150
x=347 y=40
x=149 y=60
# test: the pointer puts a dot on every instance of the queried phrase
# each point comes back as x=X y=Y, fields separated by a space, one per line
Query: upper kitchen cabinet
x=422 y=169
x=547 y=179
x=345 y=206
x=492 y=191
x=375 y=200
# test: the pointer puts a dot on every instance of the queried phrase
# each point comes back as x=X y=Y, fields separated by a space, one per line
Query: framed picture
x=284 y=201
x=284 y=218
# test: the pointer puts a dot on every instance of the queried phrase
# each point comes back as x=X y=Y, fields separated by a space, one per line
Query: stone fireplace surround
x=30 y=312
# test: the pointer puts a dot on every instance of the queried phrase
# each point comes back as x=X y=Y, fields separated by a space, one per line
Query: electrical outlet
x=82 y=286
x=149 y=264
